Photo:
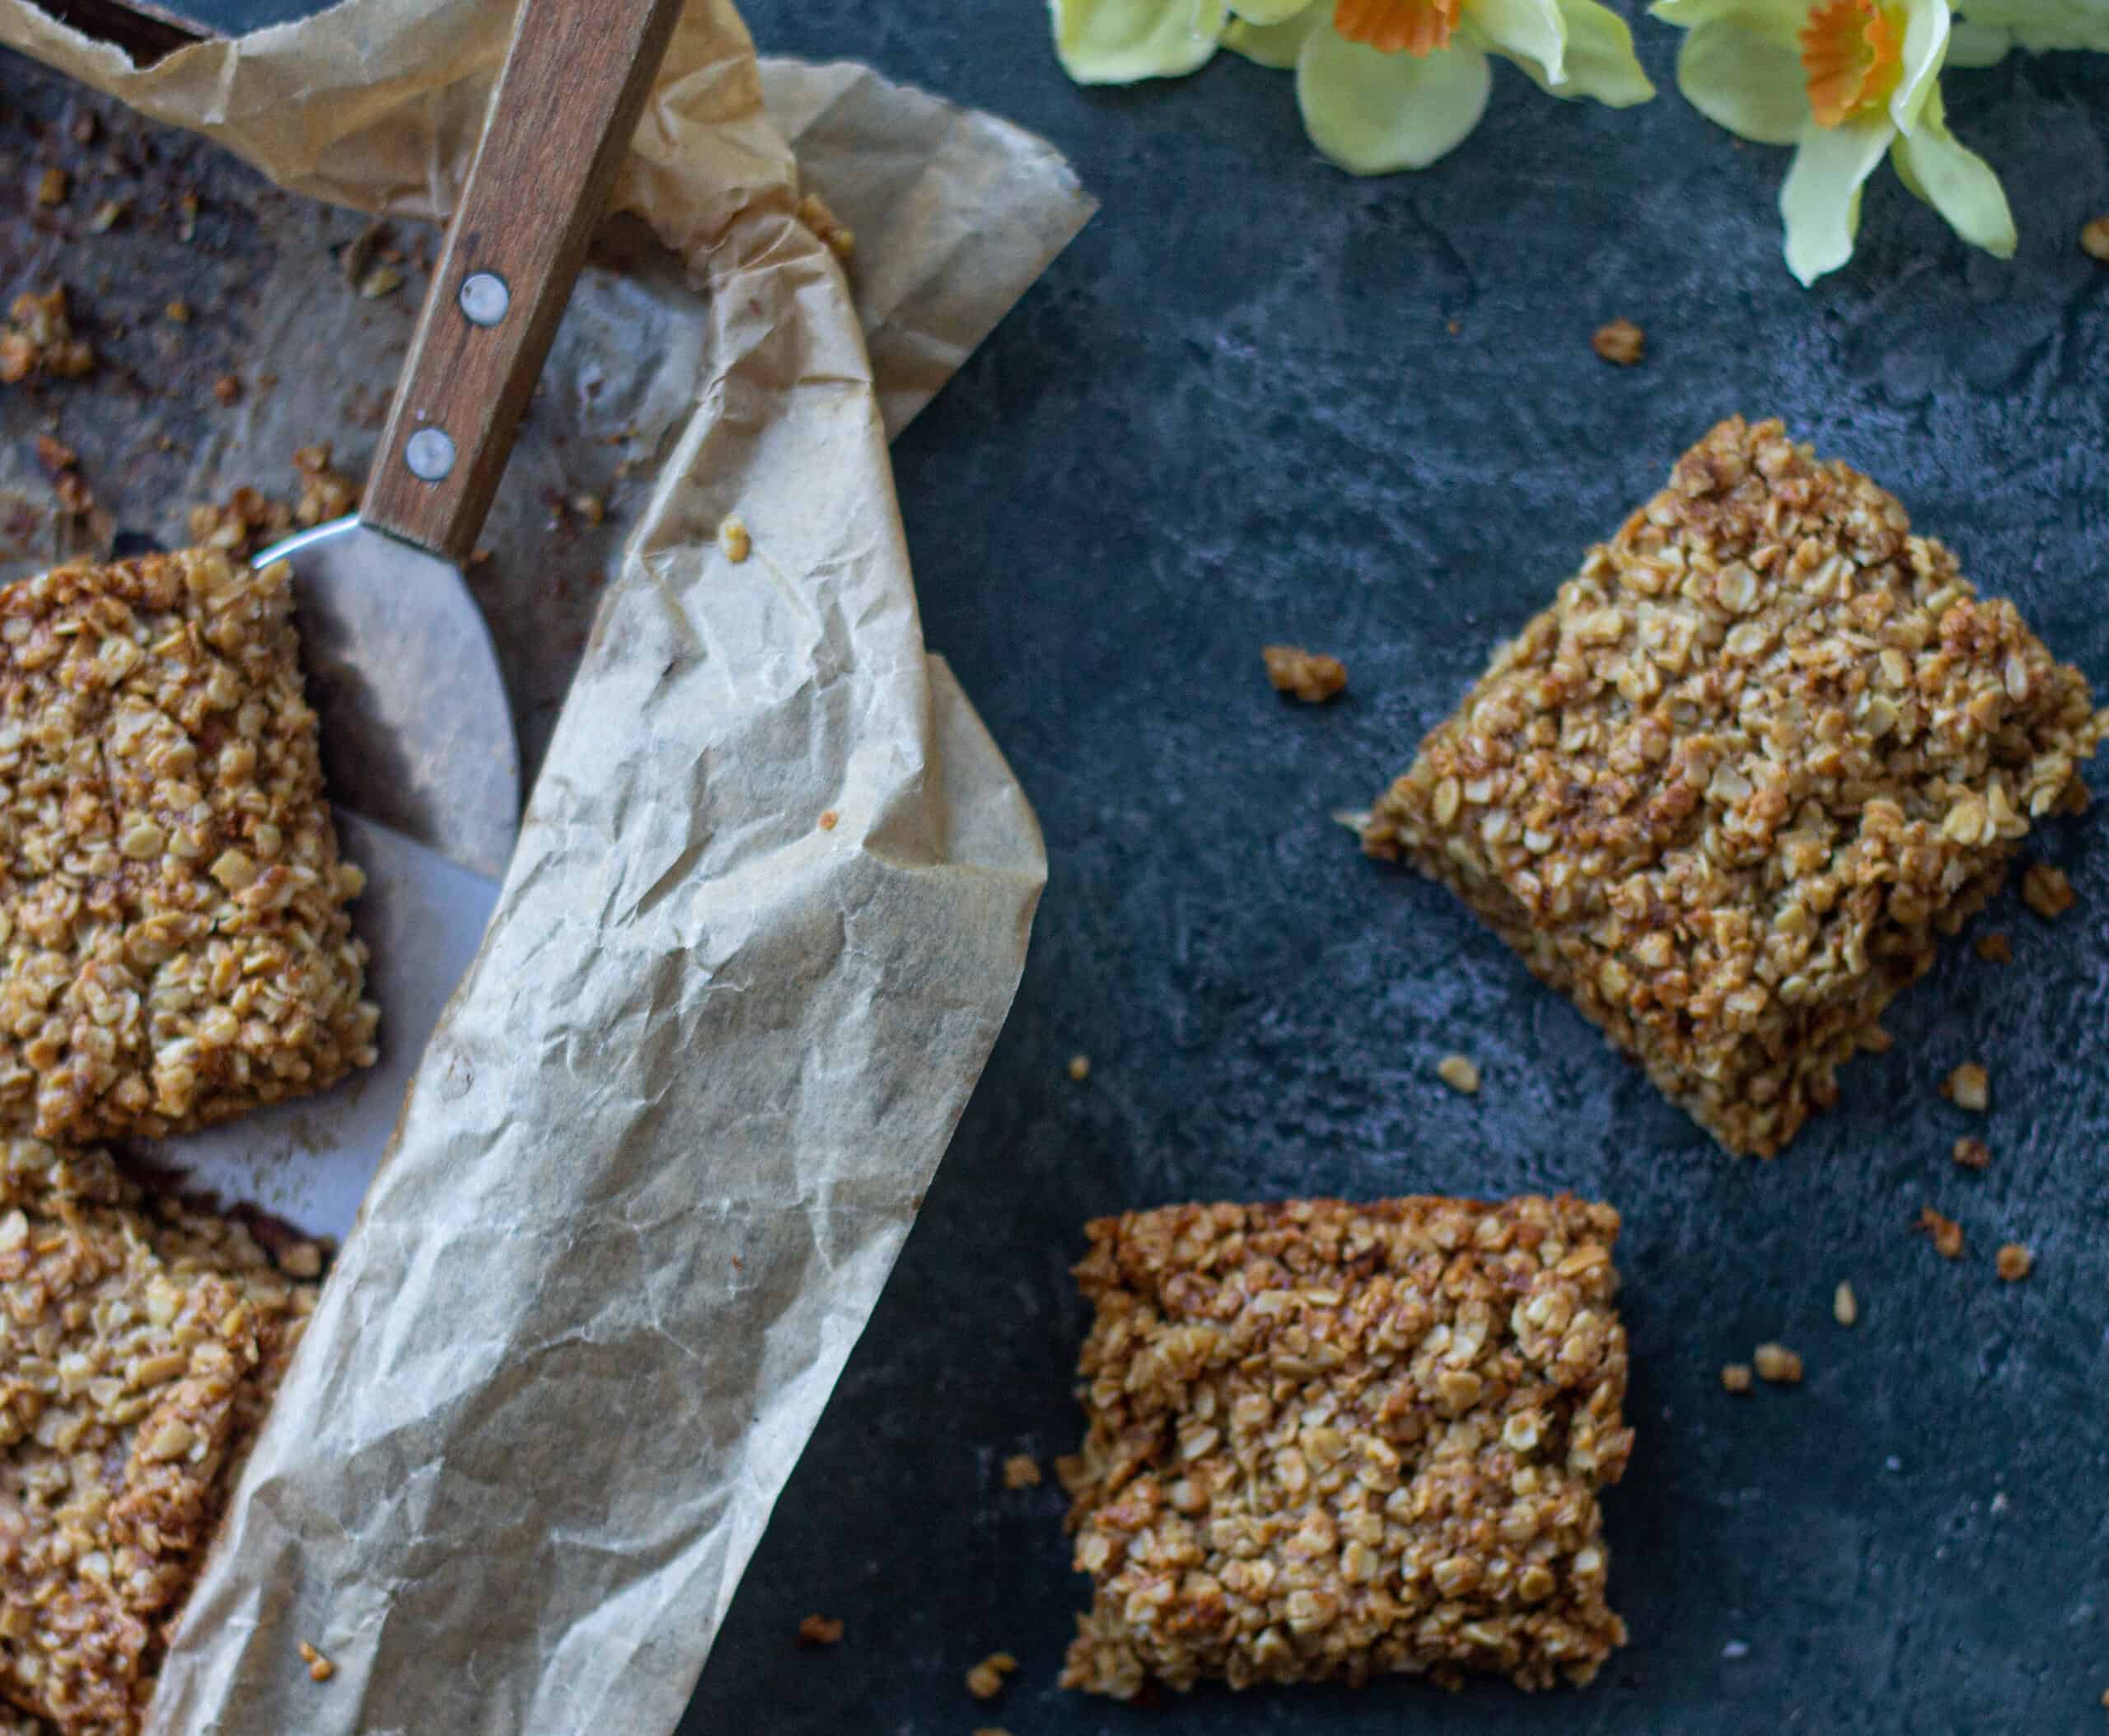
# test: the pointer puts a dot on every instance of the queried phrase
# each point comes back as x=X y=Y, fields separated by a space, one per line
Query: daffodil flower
x=1382 y=84
x=1846 y=82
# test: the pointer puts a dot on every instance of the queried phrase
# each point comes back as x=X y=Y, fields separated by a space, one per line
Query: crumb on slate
x=228 y=389
x=1845 y=1306
x=2094 y=241
x=829 y=819
x=320 y=1668
x=1459 y=1073
x=1021 y=1471
x=1311 y=676
x=2046 y=890
x=2014 y=1262
x=37 y=339
x=177 y=312
x=985 y=1680
x=1620 y=342
x=820 y=1630
x=1080 y=1068
x=1969 y=1087
x=1736 y=1375
x=1946 y=1232
x=1995 y=948
x=1778 y=1365
x=51 y=187
x=1972 y=1154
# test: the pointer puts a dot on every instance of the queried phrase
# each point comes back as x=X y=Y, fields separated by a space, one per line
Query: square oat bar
x=1727 y=789
x=142 y=1347
x=1336 y=1441
x=175 y=947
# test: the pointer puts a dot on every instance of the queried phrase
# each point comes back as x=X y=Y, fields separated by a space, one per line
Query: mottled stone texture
x=1234 y=414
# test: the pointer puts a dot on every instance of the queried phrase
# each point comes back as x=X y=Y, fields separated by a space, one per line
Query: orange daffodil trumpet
x=1382 y=84
x=1846 y=82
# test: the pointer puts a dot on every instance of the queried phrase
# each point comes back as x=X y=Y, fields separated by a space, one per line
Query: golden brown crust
x=143 y=1345
x=1336 y=1441
x=1727 y=791
x=175 y=945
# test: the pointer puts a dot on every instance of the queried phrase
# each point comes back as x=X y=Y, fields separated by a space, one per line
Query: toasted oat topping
x=1736 y=1375
x=1946 y=1233
x=1969 y=1087
x=1021 y=1471
x=2046 y=890
x=1336 y=1441
x=1995 y=948
x=251 y=520
x=175 y=945
x=144 y=1343
x=1459 y=1072
x=2014 y=1262
x=1845 y=1306
x=733 y=538
x=2094 y=241
x=1728 y=790
x=1777 y=1364
x=37 y=338
x=819 y=1631
x=985 y=1680
x=1621 y=342
x=320 y=1668
x=1311 y=676
x=1972 y=1154
x=1079 y=1068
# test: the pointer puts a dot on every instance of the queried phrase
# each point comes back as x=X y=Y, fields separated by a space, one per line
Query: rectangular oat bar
x=142 y=1343
x=1333 y=1441
x=175 y=945
x=1726 y=792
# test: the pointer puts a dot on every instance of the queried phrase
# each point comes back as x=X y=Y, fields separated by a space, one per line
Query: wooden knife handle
x=566 y=106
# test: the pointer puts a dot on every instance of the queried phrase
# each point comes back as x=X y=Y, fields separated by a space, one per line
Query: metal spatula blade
x=416 y=728
x=416 y=732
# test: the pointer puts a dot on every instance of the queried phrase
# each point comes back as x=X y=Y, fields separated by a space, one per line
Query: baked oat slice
x=139 y=1347
x=1729 y=790
x=174 y=943
x=1333 y=1441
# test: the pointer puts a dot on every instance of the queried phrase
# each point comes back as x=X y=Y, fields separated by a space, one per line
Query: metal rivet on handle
x=484 y=298
x=429 y=454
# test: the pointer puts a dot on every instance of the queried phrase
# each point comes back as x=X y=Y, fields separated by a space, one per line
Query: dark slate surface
x=1236 y=411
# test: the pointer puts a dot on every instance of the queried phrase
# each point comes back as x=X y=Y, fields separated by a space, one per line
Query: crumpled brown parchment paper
x=660 y=1155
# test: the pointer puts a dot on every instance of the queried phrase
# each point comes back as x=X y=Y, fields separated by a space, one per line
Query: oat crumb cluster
x=175 y=940
x=144 y=1343
x=1328 y=1441
x=1728 y=791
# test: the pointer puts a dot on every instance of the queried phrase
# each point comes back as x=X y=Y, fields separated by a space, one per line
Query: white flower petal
x=1925 y=46
x=1777 y=21
x=1747 y=83
x=1265 y=13
x=1956 y=181
x=1820 y=200
x=1601 y=62
x=1372 y=113
x=1530 y=32
x=1275 y=44
x=1119 y=41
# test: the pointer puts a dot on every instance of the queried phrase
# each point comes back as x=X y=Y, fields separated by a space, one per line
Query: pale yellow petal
x=1925 y=46
x=1821 y=199
x=1372 y=113
x=1264 y=13
x=1747 y=83
x=1120 y=41
x=1530 y=32
x=1956 y=181
x=1778 y=21
x=1274 y=44
x=1598 y=60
